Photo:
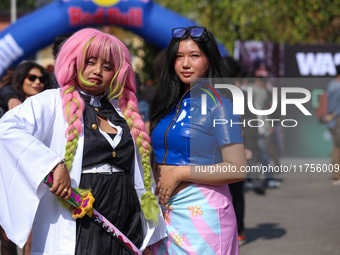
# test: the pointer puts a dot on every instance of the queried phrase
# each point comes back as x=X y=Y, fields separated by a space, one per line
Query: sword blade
x=115 y=233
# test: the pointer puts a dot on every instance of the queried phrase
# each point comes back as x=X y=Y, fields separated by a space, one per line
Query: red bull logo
x=133 y=17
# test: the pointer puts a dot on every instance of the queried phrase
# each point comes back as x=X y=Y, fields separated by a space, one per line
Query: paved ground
x=302 y=217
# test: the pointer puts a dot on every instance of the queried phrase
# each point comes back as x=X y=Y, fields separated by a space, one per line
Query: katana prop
x=82 y=205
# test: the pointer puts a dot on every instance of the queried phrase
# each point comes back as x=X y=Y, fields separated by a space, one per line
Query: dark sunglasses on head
x=178 y=32
x=32 y=78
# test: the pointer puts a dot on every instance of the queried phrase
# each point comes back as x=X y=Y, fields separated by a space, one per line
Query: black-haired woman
x=29 y=79
x=197 y=207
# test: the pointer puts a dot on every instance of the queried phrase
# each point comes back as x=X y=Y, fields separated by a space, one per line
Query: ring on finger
x=65 y=190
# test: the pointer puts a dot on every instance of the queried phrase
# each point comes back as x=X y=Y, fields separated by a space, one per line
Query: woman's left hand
x=167 y=183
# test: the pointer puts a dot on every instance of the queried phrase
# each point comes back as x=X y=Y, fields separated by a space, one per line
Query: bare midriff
x=164 y=168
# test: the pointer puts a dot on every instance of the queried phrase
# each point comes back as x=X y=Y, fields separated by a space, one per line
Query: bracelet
x=62 y=162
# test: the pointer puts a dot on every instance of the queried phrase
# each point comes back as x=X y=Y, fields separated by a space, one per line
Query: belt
x=101 y=169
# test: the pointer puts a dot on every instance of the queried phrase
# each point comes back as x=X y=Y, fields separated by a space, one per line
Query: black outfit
x=6 y=93
x=250 y=136
x=53 y=84
x=237 y=194
x=115 y=196
x=2 y=111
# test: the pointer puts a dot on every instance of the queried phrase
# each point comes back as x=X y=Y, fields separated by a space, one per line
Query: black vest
x=97 y=149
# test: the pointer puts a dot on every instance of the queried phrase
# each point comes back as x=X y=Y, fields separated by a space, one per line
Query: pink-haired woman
x=92 y=125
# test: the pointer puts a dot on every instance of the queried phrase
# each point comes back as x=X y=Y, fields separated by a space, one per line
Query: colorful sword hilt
x=81 y=205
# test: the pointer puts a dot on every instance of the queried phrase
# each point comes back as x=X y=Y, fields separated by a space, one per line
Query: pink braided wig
x=69 y=64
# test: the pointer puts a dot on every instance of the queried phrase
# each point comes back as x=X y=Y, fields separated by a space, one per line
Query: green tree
x=26 y=5
x=298 y=21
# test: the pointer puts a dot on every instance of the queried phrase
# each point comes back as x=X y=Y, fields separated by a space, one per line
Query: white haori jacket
x=32 y=142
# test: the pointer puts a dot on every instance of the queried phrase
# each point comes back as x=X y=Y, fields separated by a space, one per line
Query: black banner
x=311 y=60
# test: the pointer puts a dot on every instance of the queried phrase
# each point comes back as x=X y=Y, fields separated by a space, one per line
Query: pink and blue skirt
x=200 y=219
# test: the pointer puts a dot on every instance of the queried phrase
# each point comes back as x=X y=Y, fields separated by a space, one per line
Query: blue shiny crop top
x=187 y=137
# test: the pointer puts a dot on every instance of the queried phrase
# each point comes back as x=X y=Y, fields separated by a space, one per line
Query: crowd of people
x=92 y=126
x=332 y=120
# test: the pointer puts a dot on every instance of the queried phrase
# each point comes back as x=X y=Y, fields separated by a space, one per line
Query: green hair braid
x=149 y=203
x=71 y=145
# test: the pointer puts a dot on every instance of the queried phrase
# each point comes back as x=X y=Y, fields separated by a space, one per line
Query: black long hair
x=170 y=87
x=21 y=73
x=7 y=77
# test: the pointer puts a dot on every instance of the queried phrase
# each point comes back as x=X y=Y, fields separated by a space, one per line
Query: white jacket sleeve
x=25 y=135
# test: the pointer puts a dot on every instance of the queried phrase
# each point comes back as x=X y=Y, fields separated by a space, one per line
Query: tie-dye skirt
x=200 y=219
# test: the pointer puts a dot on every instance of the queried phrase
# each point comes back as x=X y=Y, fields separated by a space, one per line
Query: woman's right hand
x=61 y=182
